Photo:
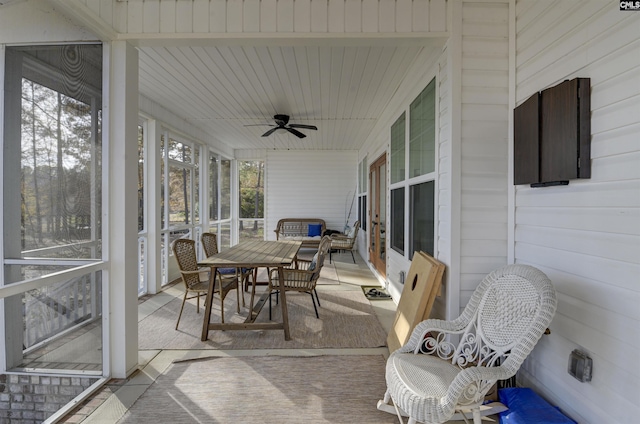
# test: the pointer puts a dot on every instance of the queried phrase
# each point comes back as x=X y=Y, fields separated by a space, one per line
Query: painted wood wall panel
x=370 y=16
x=201 y=16
x=352 y=16
x=483 y=141
x=302 y=16
x=270 y=16
x=586 y=237
x=135 y=18
x=184 y=17
x=319 y=15
x=324 y=179
x=387 y=12
x=218 y=16
x=235 y=10
x=151 y=17
x=336 y=16
x=47 y=25
x=442 y=249
x=576 y=392
x=403 y=15
x=251 y=16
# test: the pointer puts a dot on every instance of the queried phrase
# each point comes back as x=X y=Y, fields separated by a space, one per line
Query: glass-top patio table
x=251 y=254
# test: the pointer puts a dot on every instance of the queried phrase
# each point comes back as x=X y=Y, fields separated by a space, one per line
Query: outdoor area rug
x=267 y=389
x=347 y=320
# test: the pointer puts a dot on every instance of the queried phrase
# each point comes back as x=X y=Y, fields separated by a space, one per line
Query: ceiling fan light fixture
x=281 y=122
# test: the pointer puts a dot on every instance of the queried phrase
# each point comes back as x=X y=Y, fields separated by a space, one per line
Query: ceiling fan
x=281 y=122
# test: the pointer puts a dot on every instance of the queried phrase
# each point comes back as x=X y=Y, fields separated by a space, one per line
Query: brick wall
x=28 y=399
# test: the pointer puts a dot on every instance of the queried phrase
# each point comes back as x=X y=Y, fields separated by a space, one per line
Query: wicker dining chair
x=345 y=242
x=430 y=378
x=302 y=276
x=210 y=245
x=185 y=252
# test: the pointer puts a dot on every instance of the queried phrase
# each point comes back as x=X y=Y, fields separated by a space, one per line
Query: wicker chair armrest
x=197 y=271
x=339 y=237
x=297 y=274
x=425 y=327
x=292 y=277
x=341 y=243
x=302 y=264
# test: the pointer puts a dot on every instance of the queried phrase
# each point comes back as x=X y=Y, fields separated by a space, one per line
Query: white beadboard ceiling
x=342 y=89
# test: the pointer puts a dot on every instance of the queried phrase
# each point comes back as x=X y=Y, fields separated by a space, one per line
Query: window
x=362 y=212
x=180 y=189
x=251 y=198
x=397 y=220
x=363 y=178
x=140 y=178
x=213 y=187
x=397 y=150
x=220 y=199
x=422 y=216
x=225 y=189
x=418 y=211
x=422 y=132
x=183 y=183
x=52 y=163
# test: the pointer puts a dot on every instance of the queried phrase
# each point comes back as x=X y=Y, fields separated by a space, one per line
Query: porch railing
x=51 y=311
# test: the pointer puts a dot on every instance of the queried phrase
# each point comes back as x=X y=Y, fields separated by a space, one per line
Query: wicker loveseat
x=307 y=230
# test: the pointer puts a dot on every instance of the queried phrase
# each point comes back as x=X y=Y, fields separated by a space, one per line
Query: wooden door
x=377 y=214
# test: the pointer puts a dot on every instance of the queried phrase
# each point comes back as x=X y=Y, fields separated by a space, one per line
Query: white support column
x=235 y=203
x=152 y=161
x=455 y=78
x=122 y=219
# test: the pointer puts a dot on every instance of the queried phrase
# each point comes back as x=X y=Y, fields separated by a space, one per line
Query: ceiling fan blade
x=271 y=131
x=308 y=127
x=295 y=132
x=259 y=125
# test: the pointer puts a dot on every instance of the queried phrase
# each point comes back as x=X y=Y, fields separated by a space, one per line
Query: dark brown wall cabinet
x=552 y=135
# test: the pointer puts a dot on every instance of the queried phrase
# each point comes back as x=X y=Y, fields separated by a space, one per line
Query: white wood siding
x=443 y=199
x=271 y=16
x=310 y=184
x=586 y=236
x=421 y=72
x=45 y=25
x=483 y=143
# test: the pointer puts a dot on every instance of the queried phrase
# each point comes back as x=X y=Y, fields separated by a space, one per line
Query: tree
x=251 y=190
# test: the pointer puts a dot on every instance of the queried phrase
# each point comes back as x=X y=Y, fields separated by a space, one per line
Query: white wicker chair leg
x=477 y=419
x=399 y=414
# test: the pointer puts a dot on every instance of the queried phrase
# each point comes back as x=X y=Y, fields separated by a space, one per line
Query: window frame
x=410 y=182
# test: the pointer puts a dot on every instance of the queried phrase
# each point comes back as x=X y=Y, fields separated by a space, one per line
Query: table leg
x=207 y=307
x=253 y=292
x=285 y=314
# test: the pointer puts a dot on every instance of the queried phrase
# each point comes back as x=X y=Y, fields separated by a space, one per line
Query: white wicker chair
x=429 y=379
